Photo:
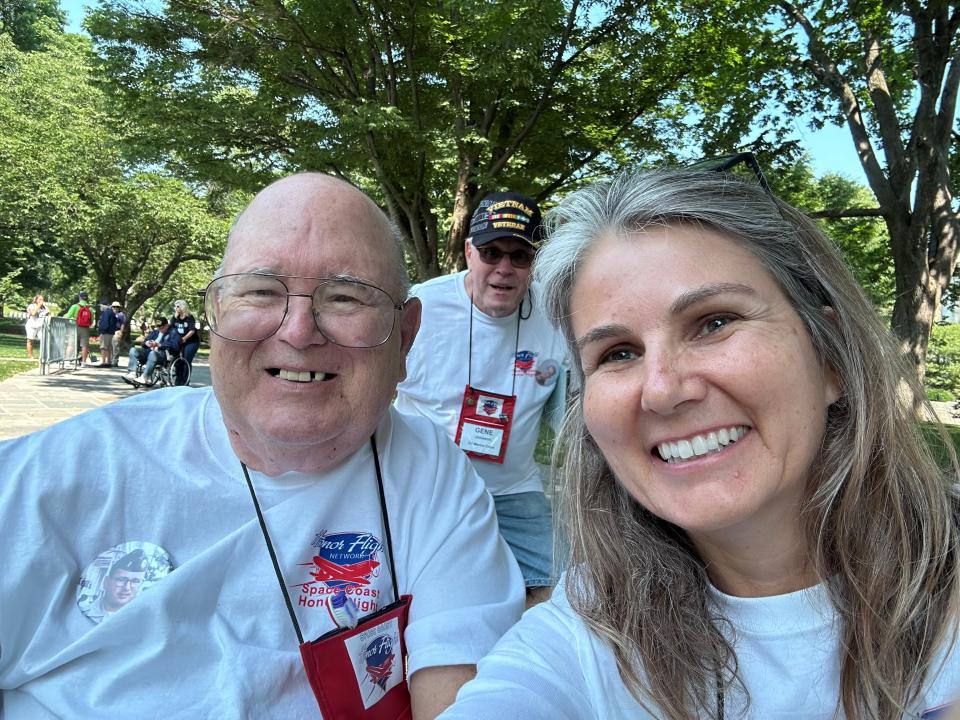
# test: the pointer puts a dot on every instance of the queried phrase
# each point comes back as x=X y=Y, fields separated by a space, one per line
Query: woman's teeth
x=682 y=450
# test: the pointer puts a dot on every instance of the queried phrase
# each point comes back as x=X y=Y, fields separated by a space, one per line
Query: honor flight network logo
x=346 y=559
x=343 y=561
x=524 y=362
x=379 y=657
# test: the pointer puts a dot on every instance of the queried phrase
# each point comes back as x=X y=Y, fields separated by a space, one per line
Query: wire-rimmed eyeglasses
x=249 y=307
x=724 y=163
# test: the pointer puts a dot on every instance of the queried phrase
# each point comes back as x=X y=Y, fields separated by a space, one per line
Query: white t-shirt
x=35 y=316
x=551 y=667
x=437 y=369
x=213 y=637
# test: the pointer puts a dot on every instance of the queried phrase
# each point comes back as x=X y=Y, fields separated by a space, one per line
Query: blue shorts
x=526 y=524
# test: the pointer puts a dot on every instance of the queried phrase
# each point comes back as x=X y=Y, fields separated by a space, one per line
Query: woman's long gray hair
x=879 y=516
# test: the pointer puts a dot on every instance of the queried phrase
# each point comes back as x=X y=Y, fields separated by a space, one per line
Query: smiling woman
x=756 y=525
x=704 y=352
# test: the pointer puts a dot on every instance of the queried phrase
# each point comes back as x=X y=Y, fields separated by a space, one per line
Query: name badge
x=484 y=425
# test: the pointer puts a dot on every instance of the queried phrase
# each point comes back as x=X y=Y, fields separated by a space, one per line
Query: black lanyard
x=516 y=343
x=273 y=555
x=720 y=702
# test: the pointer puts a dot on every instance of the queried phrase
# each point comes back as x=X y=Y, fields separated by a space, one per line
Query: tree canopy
x=428 y=105
x=28 y=22
x=890 y=71
x=72 y=210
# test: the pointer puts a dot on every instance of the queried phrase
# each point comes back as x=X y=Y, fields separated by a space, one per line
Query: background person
x=186 y=326
x=156 y=345
x=311 y=305
x=82 y=312
x=36 y=312
x=107 y=326
x=118 y=335
x=476 y=371
x=758 y=528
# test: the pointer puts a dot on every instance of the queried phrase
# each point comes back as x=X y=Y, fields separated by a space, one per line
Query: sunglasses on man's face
x=493 y=256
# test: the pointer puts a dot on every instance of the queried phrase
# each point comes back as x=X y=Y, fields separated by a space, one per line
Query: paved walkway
x=30 y=401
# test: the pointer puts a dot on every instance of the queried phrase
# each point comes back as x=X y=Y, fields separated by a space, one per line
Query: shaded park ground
x=30 y=401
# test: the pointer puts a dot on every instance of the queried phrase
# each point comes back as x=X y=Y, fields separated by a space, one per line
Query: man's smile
x=300 y=376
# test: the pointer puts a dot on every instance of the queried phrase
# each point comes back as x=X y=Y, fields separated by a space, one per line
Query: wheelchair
x=165 y=372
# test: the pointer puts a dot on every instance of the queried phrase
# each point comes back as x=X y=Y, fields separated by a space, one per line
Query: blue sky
x=830 y=149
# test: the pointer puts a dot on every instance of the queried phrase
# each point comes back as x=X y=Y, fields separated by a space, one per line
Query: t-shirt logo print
x=379 y=657
x=345 y=559
x=524 y=362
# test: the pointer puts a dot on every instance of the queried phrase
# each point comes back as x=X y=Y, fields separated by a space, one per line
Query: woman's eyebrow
x=685 y=301
x=598 y=334
x=690 y=298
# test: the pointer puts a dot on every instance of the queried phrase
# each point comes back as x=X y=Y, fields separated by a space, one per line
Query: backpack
x=84 y=316
x=108 y=322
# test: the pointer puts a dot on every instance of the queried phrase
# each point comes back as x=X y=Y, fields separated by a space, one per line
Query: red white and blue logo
x=346 y=559
x=524 y=362
x=379 y=656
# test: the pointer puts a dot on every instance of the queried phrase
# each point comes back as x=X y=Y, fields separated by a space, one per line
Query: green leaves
x=72 y=209
x=431 y=104
x=31 y=24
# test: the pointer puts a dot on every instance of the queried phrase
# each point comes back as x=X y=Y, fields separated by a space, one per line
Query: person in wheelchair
x=160 y=341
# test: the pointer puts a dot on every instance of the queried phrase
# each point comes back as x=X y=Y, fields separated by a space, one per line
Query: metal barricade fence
x=58 y=343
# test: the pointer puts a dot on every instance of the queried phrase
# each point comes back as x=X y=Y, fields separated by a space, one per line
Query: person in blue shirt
x=186 y=326
x=158 y=341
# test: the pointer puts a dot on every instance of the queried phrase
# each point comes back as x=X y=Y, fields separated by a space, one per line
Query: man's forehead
x=309 y=200
x=313 y=226
x=509 y=243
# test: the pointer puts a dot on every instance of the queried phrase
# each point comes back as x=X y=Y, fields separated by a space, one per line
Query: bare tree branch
x=846 y=213
x=825 y=69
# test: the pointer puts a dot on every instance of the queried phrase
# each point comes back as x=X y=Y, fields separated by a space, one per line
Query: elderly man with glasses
x=312 y=546
x=486 y=364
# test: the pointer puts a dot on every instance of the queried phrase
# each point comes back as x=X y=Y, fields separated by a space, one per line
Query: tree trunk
x=420 y=240
x=464 y=200
x=917 y=291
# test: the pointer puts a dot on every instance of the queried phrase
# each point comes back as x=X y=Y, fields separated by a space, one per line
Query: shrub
x=943 y=361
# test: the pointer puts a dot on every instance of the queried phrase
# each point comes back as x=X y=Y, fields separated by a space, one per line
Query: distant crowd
x=109 y=321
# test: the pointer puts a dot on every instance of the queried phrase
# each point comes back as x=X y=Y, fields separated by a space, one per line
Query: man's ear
x=409 y=325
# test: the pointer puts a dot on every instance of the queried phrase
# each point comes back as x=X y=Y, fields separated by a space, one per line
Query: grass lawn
x=13 y=350
x=9 y=368
x=13 y=342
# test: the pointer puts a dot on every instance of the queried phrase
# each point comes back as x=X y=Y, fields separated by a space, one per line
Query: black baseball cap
x=506 y=215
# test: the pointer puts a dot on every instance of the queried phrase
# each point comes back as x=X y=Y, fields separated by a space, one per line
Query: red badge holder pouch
x=483 y=428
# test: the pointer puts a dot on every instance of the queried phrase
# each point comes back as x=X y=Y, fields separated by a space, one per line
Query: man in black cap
x=484 y=367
